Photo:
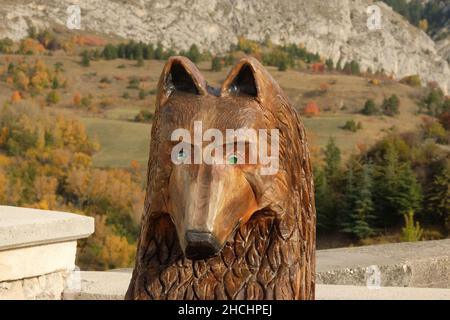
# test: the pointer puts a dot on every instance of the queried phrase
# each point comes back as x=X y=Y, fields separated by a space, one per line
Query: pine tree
x=159 y=52
x=325 y=209
x=332 y=161
x=360 y=219
x=85 y=59
x=55 y=83
x=397 y=189
x=330 y=64
x=216 y=64
x=369 y=108
x=328 y=188
x=149 y=52
x=438 y=196
x=139 y=54
x=109 y=52
x=339 y=65
x=194 y=54
x=121 y=51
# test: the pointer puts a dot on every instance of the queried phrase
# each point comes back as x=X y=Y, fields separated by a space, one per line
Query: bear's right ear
x=180 y=75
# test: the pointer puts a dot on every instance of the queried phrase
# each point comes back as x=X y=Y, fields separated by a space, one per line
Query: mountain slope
x=335 y=28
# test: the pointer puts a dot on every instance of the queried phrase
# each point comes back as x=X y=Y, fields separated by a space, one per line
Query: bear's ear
x=180 y=75
x=247 y=78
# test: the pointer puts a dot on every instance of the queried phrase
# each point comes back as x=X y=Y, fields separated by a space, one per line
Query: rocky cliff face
x=333 y=28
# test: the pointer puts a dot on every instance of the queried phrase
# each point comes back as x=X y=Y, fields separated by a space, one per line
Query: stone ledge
x=416 y=264
x=24 y=227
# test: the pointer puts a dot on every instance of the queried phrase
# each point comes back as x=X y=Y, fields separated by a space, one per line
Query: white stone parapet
x=38 y=250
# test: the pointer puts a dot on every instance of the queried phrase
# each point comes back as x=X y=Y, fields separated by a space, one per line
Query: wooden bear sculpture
x=225 y=231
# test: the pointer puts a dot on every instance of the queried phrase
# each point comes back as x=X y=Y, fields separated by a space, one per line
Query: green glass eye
x=233 y=159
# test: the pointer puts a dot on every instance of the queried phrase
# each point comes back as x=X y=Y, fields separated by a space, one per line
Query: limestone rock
x=334 y=28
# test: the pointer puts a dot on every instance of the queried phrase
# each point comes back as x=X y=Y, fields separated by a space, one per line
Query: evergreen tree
x=359 y=218
x=369 y=108
x=397 y=189
x=121 y=51
x=282 y=65
x=330 y=64
x=339 y=65
x=328 y=188
x=130 y=50
x=216 y=64
x=55 y=83
x=332 y=161
x=438 y=196
x=148 y=52
x=194 y=54
x=326 y=215
x=109 y=52
x=354 y=67
x=85 y=59
x=159 y=52
x=139 y=54
x=391 y=105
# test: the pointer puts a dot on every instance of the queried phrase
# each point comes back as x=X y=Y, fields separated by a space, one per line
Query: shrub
x=282 y=65
x=86 y=101
x=142 y=94
x=411 y=232
x=317 y=67
x=370 y=108
x=53 y=97
x=77 y=99
x=330 y=64
x=109 y=52
x=6 y=45
x=133 y=83
x=391 y=105
x=413 y=80
x=105 y=79
x=85 y=59
x=352 y=126
x=144 y=116
x=194 y=54
x=352 y=67
x=16 y=97
x=216 y=64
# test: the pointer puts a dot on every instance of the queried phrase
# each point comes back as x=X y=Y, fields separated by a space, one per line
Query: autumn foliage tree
x=311 y=109
x=49 y=166
x=16 y=97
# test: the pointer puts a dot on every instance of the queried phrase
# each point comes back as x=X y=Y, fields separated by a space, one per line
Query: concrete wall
x=37 y=251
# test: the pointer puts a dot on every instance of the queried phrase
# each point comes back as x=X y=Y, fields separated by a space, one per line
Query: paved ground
x=336 y=292
x=113 y=285
x=419 y=270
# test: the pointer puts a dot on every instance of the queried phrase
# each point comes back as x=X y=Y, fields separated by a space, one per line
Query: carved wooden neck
x=259 y=263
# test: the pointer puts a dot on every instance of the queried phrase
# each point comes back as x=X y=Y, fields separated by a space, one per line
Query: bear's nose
x=200 y=245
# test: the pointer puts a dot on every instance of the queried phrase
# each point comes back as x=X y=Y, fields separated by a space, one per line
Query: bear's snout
x=201 y=245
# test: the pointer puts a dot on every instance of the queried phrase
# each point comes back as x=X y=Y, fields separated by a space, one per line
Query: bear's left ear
x=248 y=78
x=180 y=74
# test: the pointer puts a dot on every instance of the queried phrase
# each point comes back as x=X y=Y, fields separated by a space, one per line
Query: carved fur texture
x=270 y=256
